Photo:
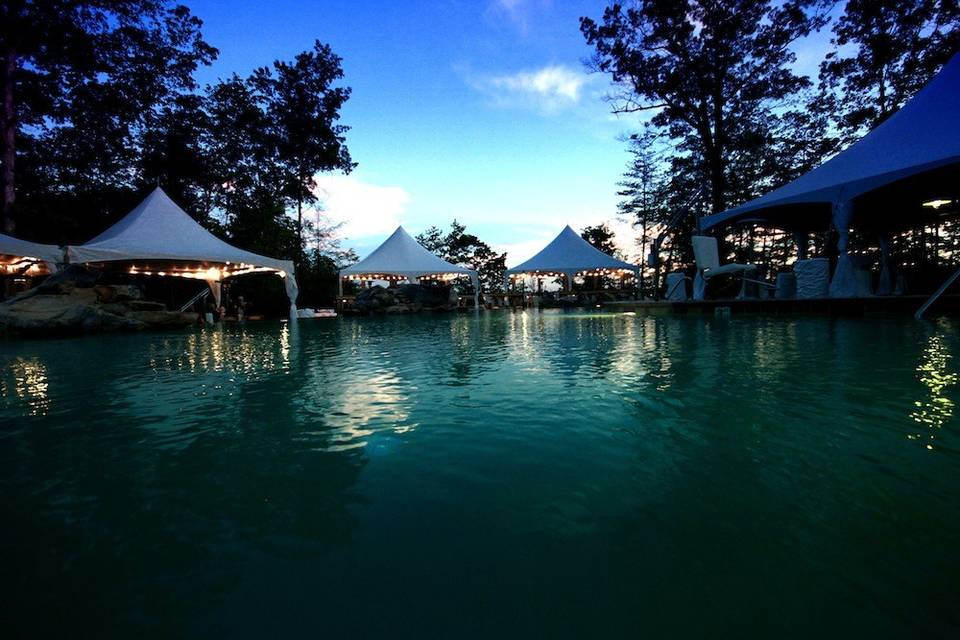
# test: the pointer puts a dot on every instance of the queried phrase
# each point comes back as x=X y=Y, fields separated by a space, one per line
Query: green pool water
x=494 y=475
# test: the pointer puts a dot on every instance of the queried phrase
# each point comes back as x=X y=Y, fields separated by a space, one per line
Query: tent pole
x=802 y=240
x=843 y=284
x=885 y=283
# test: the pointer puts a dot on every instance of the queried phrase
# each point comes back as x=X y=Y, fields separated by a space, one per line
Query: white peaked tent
x=569 y=254
x=923 y=136
x=158 y=237
x=20 y=256
x=402 y=257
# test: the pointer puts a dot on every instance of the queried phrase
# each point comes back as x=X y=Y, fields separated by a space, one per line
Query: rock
x=64 y=307
x=116 y=308
x=163 y=319
x=75 y=274
x=146 y=305
x=117 y=292
x=407 y=298
x=432 y=296
x=104 y=293
x=374 y=298
x=57 y=314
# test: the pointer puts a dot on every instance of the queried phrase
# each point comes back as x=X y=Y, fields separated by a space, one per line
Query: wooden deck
x=883 y=305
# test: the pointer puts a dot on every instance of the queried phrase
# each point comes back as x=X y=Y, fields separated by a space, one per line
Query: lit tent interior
x=903 y=173
x=568 y=255
x=20 y=257
x=401 y=257
x=159 y=238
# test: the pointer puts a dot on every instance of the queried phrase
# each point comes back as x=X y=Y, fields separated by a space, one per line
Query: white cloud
x=519 y=13
x=518 y=252
x=547 y=90
x=365 y=209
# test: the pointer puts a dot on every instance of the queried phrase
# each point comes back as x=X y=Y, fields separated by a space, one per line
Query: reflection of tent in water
x=570 y=255
x=158 y=237
x=400 y=257
x=20 y=257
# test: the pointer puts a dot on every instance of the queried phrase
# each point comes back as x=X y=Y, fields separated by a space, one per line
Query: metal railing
x=192 y=301
x=946 y=285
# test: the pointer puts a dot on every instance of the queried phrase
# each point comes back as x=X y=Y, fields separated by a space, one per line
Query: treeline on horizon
x=100 y=103
x=728 y=119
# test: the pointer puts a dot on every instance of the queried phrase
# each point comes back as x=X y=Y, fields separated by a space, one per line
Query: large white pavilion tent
x=21 y=257
x=401 y=257
x=570 y=255
x=160 y=238
x=881 y=181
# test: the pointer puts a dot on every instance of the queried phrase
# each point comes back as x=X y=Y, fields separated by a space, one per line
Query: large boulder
x=433 y=297
x=66 y=306
x=375 y=298
x=57 y=314
x=407 y=298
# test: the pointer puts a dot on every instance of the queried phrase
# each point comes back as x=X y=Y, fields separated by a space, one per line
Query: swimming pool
x=535 y=474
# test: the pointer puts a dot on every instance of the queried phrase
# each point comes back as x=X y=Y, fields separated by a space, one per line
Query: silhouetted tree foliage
x=728 y=117
x=467 y=250
x=101 y=104
x=601 y=237
x=81 y=83
x=883 y=52
x=709 y=71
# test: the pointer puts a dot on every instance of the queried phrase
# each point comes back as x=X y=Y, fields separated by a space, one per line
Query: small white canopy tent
x=923 y=136
x=402 y=257
x=30 y=258
x=568 y=254
x=159 y=237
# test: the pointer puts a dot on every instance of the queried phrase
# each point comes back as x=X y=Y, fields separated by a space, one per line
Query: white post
x=843 y=284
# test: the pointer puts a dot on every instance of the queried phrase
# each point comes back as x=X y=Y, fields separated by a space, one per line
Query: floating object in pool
x=316 y=313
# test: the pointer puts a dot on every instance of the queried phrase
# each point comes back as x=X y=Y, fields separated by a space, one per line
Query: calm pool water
x=495 y=475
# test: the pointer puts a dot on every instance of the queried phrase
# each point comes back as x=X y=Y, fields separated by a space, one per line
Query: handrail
x=935 y=296
x=200 y=296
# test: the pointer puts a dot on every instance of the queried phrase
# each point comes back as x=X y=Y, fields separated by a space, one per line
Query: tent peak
x=570 y=252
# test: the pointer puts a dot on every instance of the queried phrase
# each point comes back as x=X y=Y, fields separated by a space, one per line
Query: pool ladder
x=935 y=296
x=192 y=301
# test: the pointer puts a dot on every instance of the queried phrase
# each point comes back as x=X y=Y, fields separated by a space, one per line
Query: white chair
x=708 y=266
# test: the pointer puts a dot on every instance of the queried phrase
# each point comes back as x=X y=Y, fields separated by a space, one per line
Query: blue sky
x=478 y=110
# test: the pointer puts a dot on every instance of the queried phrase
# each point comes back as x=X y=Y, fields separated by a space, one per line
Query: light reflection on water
x=610 y=472
x=934 y=372
x=26 y=380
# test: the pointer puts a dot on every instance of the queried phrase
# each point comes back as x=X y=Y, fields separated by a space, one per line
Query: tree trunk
x=300 y=219
x=9 y=140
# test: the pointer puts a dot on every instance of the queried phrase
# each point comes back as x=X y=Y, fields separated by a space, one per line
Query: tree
x=710 y=71
x=302 y=108
x=643 y=193
x=176 y=154
x=884 y=52
x=465 y=249
x=601 y=237
x=80 y=79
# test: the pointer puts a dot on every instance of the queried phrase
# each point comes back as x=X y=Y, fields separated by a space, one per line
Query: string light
x=393 y=277
x=24 y=266
x=582 y=273
x=210 y=273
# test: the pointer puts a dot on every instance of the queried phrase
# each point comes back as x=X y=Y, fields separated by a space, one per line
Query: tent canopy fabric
x=569 y=253
x=923 y=135
x=402 y=255
x=158 y=230
x=15 y=247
